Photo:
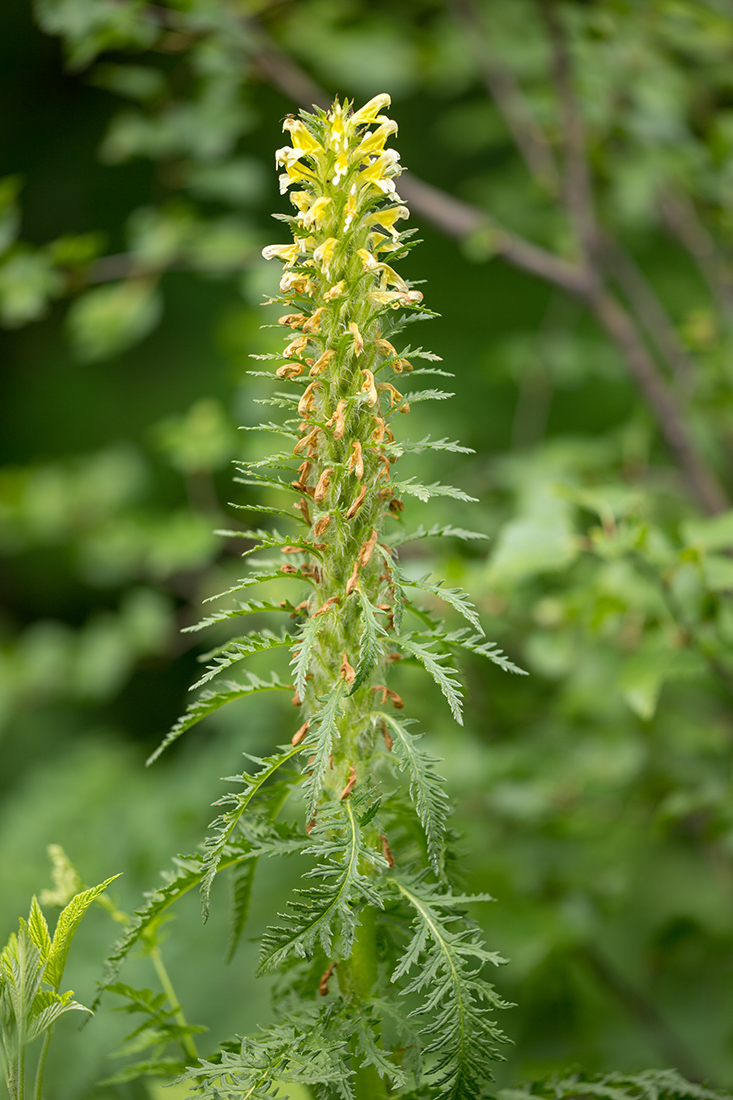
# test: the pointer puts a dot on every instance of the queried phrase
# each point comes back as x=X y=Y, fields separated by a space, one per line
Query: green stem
x=358 y=974
x=20 y=1076
x=187 y=1043
x=38 y=1088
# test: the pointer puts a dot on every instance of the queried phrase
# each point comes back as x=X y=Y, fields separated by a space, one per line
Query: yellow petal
x=370 y=110
x=301 y=136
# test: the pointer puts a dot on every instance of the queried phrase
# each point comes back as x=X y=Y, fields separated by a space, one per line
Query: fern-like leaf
x=186 y=875
x=209 y=701
x=413 y=488
x=436 y=531
x=432 y=662
x=224 y=825
x=447 y=952
x=304 y=644
x=455 y=597
x=299 y=1052
x=238 y=649
x=341 y=850
x=474 y=644
x=252 y=607
x=370 y=649
x=318 y=745
x=426 y=786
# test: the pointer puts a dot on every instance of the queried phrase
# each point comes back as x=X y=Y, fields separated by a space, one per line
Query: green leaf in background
x=110 y=319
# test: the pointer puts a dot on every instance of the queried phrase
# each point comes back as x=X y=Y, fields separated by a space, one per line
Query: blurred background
x=569 y=171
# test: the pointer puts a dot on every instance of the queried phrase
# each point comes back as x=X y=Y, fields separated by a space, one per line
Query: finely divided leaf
x=425 y=492
x=238 y=649
x=454 y=596
x=436 y=531
x=226 y=823
x=209 y=701
x=252 y=607
x=474 y=644
x=448 y=954
x=432 y=662
x=305 y=641
x=370 y=649
x=318 y=744
x=426 y=787
x=338 y=843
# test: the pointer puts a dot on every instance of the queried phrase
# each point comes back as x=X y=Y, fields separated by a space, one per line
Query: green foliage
x=32 y=967
x=594 y=793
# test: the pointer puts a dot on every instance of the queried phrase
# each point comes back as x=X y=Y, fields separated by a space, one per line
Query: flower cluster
x=341 y=294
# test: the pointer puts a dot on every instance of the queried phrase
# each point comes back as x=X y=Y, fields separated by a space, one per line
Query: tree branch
x=646 y=306
x=510 y=101
x=619 y=326
x=577 y=183
x=683 y=221
x=667 y=1042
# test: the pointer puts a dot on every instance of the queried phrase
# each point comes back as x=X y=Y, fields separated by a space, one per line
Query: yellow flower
x=374 y=142
x=387 y=218
x=287 y=156
x=380 y=169
x=341 y=167
x=315 y=214
x=287 y=252
x=367 y=258
x=368 y=113
x=301 y=136
x=335 y=291
x=324 y=254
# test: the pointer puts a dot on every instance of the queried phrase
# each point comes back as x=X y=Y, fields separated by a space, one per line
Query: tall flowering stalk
x=382 y=992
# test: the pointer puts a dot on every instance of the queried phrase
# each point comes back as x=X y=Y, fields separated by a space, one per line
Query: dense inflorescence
x=381 y=990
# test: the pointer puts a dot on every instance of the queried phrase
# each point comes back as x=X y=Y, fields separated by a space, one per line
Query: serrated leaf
x=242 y=882
x=38 y=929
x=238 y=649
x=436 y=531
x=426 y=786
x=259 y=578
x=209 y=701
x=474 y=643
x=406 y=446
x=432 y=663
x=370 y=649
x=186 y=875
x=413 y=488
x=338 y=843
x=252 y=607
x=318 y=744
x=457 y=599
x=446 y=952
x=66 y=926
x=226 y=823
x=305 y=641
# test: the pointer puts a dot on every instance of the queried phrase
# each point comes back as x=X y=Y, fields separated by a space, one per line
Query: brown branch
x=666 y=1040
x=621 y=329
x=506 y=92
x=651 y=314
x=684 y=223
x=577 y=184
x=460 y=219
